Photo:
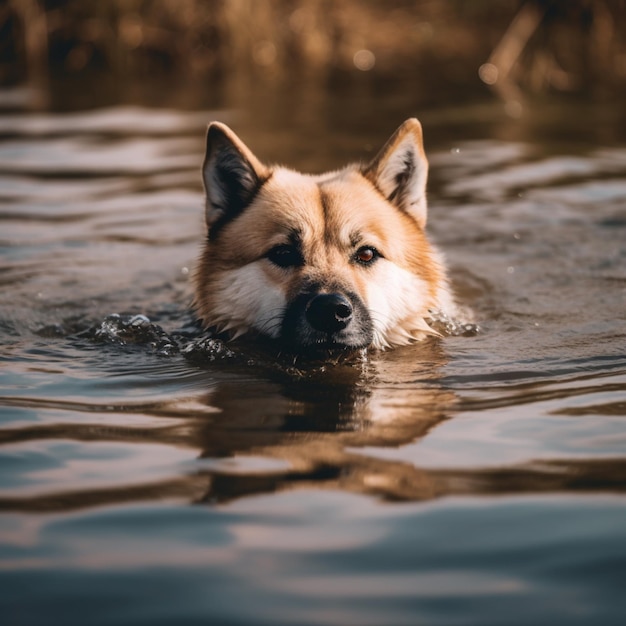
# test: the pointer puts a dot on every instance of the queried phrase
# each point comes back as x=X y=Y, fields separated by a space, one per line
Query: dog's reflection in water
x=318 y=425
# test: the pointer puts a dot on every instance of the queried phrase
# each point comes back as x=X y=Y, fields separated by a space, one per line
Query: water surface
x=150 y=478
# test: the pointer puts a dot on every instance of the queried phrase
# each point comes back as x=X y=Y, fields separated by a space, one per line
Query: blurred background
x=223 y=53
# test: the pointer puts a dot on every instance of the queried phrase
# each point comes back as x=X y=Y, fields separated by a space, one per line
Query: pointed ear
x=400 y=170
x=232 y=175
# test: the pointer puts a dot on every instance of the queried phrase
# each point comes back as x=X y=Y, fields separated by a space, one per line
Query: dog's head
x=338 y=260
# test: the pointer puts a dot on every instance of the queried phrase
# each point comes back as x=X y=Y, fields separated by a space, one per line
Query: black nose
x=329 y=312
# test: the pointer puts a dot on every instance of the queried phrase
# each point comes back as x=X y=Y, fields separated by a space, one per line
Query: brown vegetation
x=517 y=44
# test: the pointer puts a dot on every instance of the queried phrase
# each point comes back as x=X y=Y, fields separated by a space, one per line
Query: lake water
x=147 y=477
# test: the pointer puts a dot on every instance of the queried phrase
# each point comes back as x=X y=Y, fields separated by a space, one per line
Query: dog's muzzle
x=326 y=321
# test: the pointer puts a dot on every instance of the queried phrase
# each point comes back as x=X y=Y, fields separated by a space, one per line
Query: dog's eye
x=285 y=256
x=366 y=255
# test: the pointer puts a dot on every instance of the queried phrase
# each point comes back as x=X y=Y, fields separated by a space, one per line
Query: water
x=150 y=477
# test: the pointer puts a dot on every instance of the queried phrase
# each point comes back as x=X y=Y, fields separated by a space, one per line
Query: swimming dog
x=332 y=261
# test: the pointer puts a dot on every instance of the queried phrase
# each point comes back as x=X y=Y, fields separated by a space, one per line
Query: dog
x=335 y=261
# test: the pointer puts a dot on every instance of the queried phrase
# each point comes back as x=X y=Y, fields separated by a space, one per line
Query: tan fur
x=240 y=290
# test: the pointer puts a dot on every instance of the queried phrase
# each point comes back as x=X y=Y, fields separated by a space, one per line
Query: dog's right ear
x=232 y=175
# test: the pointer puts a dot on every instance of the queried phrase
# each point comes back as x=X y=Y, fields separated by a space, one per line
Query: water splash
x=451 y=327
x=207 y=349
x=127 y=330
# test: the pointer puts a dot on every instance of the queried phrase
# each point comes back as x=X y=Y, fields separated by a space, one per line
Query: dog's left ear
x=400 y=170
x=232 y=175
